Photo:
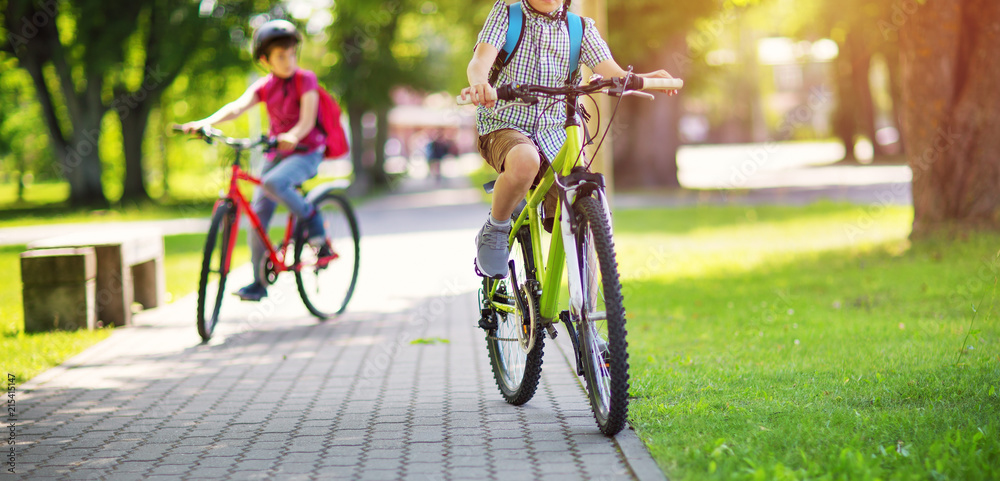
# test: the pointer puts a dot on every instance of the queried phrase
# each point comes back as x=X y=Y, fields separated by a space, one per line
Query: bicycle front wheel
x=215 y=268
x=515 y=345
x=602 y=320
x=326 y=280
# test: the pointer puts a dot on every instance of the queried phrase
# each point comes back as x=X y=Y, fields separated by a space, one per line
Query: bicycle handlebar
x=210 y=134
x=615 y=86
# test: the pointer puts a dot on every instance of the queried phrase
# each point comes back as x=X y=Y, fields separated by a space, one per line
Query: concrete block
x=129 y=269
x=59 y=289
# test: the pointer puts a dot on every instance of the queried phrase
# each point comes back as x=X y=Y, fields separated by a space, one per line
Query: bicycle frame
x=242 y=205
x=562 y=247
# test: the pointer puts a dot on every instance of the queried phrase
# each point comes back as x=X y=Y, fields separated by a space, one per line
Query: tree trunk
x=361 y=182
x=80 y=164
x=134 y=122
x=646 y=132
x=78 y=160
x=896 y=91
x=949 y=68
x=844 y=124
x=164 y=155
x=379 y=176
x=864 y=107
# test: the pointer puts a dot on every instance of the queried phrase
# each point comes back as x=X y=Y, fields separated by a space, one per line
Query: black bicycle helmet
x=271 y=31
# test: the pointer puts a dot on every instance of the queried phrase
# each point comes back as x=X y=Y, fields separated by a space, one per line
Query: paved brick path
x=277 y=395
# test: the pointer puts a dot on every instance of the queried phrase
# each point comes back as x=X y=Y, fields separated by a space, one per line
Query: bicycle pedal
x=552 y=331
x=488 y=323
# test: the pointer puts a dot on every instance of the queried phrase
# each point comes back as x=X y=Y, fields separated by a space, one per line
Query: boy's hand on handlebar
x=481 y=94
x=659 y=74
x=192 y=127
x=287 y=142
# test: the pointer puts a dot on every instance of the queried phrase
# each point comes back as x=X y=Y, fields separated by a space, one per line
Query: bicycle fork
x=577 y=184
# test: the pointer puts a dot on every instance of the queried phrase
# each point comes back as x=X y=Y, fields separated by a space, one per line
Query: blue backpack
x=515 y=32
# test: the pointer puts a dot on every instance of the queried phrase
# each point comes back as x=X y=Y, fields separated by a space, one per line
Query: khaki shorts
x=494 y=148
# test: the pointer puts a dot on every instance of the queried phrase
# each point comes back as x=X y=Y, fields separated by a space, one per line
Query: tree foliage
x=89 y=58
x=382 y=45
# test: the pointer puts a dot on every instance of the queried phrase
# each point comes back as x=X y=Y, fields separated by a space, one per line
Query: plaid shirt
x=542 y=59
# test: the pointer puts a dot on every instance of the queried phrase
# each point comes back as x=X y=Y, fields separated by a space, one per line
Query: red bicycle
x=325 y=283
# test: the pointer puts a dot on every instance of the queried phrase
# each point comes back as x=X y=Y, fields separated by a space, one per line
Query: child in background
x=292 y=100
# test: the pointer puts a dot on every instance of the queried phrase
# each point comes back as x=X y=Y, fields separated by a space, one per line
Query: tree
x=174 y=34
x=650 y=35
x=849 y=23
x=949 y=71
x=78 y=66
x=383 y=45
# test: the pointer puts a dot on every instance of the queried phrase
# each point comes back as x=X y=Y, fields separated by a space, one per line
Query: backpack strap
x=321 y=97
x=515 y=33
x=575 y=26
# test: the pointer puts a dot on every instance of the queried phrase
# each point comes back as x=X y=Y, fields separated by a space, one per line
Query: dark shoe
x=325 y=255
x=253 y=292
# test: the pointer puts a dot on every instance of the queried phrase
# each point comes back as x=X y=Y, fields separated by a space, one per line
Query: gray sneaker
x=492 y=251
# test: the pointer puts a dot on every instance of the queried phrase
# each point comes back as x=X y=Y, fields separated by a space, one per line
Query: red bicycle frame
x=236 y=197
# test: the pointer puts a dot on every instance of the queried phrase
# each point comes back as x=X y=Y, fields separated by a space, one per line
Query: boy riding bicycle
x=512 y=141
x=292 y=101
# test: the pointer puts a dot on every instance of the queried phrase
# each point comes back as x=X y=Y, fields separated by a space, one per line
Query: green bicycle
x=517 y=311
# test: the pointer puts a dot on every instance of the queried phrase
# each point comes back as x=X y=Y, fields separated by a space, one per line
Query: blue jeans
x=278 y=183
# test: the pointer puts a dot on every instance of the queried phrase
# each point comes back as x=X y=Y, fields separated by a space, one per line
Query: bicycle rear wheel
x=515 y=345
x=326 y=284
x=602 y=322
x=215 y=269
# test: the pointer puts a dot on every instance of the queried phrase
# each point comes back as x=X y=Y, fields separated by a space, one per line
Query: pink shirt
x=283 y=102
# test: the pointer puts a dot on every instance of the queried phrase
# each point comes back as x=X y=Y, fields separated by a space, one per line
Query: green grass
x=37 y=193
x=811 y=343
x=25 y=355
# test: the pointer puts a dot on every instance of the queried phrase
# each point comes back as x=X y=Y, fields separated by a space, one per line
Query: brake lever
x=526 y=102
x=645 y=95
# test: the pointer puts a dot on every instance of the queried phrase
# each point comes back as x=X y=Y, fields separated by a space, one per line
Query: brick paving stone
x=251 y=475
x=383 y=463
x=169 y=469
x=472 y=474
x=180 y=459
x=421 y=448
x=337 y=460
x=336 y=472
x=286 y=468
x=201 y=472
x=132 y=467
x=376 y=453
x=378 y=475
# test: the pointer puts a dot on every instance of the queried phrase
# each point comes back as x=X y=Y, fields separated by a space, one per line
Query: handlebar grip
x=504 y=92
x=660 y=83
